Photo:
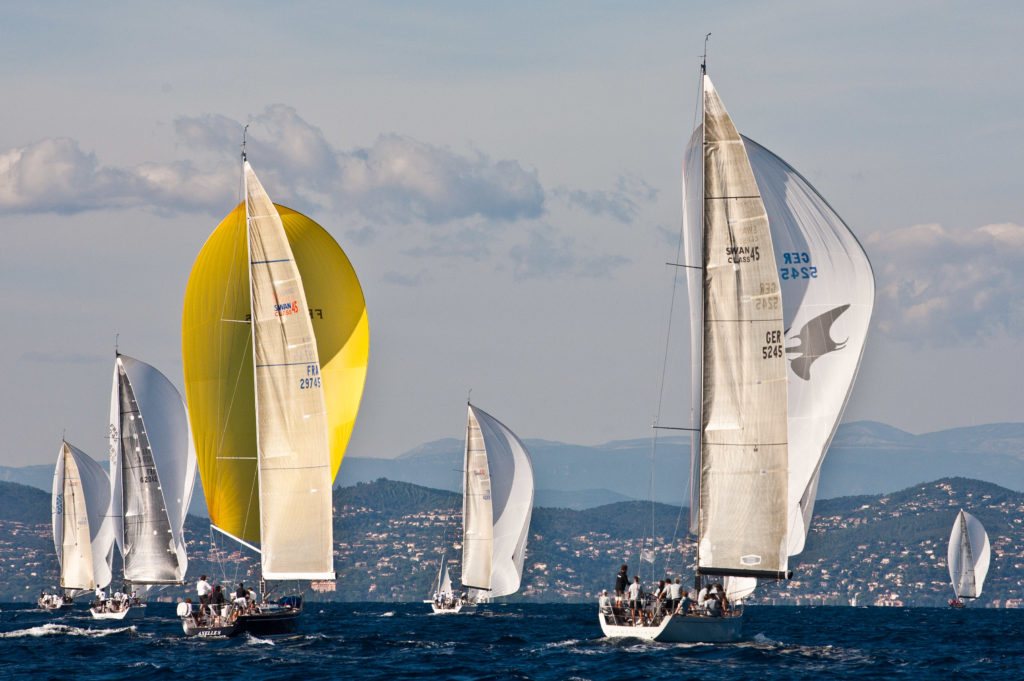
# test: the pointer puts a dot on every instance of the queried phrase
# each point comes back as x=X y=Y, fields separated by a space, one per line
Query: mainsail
x=968 y=555
x=828 y=292
x=497 y=505
x=742 y=458
x=82 y=533
x=271 y=426
x=153 y=469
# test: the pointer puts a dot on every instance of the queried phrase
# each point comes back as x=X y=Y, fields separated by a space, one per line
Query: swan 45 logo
x=814 y=341
x=282 y=309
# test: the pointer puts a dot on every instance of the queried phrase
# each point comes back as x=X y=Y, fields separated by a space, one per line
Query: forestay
x=153 y=468
x=743 y=448
x=82 y=533
x=828 y=292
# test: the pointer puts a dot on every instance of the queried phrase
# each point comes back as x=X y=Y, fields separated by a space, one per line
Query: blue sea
x=403 y=641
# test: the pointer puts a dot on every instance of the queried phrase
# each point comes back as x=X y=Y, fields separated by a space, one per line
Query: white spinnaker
x=291 y=418
x=511 y=477
x=968 y=556
x=153 y=469
x=82 y=532
x=828 y=292
x=477 y=525
x=743 y=513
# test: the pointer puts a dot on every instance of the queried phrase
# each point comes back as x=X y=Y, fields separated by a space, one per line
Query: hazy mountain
x=865 y=458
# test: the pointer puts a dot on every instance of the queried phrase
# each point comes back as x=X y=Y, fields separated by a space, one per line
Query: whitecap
x=257 y=641
x=53 y=629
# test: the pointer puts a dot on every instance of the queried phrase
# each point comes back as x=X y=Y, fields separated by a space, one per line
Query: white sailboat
x=777 y=283
x=153 y=470
x=275 y=344
x=82 y=533
x=968 y=556
x=445 y=600
x=497 y=503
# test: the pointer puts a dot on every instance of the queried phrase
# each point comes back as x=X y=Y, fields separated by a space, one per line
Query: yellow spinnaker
x=217 y=356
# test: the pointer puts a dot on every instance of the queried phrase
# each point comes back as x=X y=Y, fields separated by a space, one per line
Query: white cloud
x=945 y=287
x=397 y=179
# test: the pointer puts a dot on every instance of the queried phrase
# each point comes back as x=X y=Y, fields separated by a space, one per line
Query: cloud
x=397 y=179
x=548 y=256
x=400 y=179
x=945 y=287
x=621 y=203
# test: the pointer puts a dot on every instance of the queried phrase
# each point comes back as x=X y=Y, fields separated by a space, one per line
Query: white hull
x=132 y=612
x=459 y=606
x=680 y=629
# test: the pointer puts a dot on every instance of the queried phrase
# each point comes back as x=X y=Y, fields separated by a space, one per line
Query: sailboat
x=275 y=347
x=968 y=558
x=780 y=301
x=445 y=600
x=497 y=503
x=153 y=470
x=82 y=533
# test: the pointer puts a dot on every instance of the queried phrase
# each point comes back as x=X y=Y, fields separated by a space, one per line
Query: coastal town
x=390 y=537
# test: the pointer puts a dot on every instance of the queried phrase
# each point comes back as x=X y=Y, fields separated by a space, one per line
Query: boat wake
x=52 y=629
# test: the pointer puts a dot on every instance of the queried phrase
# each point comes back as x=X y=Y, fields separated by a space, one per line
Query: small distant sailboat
x=968 y=556
x=275 y=347
x=445 y=600
x=153 y=470
x=497 y=504
x=777 y=283
x=82 y=533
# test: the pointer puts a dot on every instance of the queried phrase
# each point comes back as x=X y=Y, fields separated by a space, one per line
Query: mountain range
x=866 y=457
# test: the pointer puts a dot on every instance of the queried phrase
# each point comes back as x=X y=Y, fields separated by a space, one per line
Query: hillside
x=389 y=537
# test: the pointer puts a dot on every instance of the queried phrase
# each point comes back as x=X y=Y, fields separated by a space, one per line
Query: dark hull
x=273 y=623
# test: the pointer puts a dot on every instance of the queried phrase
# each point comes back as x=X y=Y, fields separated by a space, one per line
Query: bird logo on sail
x=814 y=341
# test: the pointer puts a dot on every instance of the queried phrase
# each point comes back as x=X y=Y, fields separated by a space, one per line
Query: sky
x=506 y=182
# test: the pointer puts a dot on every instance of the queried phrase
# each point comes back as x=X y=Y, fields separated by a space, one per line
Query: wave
x=52 y=629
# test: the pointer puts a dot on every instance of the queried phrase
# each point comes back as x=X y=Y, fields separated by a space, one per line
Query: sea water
x=550 y=641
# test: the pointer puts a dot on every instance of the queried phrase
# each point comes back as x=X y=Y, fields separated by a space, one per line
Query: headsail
x=153 y=468
x=828 y=292
x=742 y=520
x=497 y=505
x=82 y=533
x=968 y=556
x=219 y=382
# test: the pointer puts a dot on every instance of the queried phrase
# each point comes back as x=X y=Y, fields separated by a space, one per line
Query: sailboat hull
x=273 y=623
x=679 y=629
x=459 y=606
x=136 y=611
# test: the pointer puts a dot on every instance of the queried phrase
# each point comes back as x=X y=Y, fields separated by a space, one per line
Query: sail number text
x=773 y=345
x=311 y=379
x=769 y=297
x=797 y=265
